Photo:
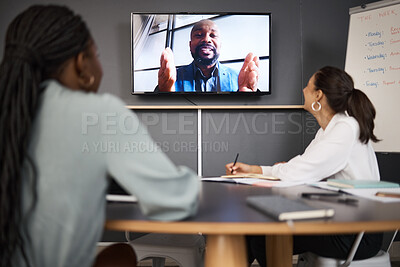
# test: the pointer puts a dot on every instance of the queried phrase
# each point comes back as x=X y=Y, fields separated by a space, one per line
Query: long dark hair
x=38 y=42
x=338 y=87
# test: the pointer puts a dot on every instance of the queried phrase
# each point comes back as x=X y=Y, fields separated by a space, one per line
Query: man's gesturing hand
x=248 y=75
x=167 y=72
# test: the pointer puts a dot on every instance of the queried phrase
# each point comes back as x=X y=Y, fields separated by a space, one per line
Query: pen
x=237 y=155
x=387 y=194
x=330 y=198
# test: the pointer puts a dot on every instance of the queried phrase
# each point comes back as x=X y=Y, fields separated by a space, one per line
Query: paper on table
x=324 y=185
x=368 y=193
x=121 y=198
x=251 y=175
x=252 y=181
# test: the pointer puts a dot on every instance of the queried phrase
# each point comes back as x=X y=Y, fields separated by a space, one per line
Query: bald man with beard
x=206 y=73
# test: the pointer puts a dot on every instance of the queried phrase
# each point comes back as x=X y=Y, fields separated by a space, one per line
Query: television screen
x=201 y=53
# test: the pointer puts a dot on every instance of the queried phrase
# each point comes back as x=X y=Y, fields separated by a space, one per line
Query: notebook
x=342 y=183
x=282 y=208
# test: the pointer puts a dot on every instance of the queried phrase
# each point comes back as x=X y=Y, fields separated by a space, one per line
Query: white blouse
x=335 y=152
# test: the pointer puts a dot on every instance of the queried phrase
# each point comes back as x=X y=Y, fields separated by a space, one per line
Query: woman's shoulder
x=344 y=122
x=341 y=118
x=57 y=93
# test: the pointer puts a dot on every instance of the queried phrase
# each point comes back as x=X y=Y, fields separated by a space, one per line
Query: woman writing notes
x=53 y=173
x=341 y=149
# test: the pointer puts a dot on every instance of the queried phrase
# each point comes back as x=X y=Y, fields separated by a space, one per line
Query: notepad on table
x=282 y=208
x=251 y=175
x=342 y=183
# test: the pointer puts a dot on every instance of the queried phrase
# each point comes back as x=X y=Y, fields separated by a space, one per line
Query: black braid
x=38 y=42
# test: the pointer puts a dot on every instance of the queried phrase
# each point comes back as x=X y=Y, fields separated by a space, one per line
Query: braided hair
x=38 y=43
x=338 y=87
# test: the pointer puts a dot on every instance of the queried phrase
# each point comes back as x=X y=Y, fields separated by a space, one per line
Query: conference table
x=225 y=218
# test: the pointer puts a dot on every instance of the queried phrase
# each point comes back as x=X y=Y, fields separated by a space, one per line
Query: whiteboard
x=373 y=60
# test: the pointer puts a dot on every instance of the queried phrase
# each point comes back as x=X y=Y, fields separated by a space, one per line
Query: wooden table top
x=223 y=210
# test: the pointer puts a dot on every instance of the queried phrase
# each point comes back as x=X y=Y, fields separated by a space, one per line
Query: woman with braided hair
x=53 y=180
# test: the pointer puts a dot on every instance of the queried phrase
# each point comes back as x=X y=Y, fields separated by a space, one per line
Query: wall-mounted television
x=205 y=53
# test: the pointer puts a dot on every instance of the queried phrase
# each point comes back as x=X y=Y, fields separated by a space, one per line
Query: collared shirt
x=335 y=152
x=227 y=80
x=202 y=84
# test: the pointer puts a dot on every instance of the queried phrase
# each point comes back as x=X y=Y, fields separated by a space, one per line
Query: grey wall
x=306 y=35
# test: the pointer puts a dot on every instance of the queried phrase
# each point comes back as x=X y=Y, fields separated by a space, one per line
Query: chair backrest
x=389 y=167
x=388 y=238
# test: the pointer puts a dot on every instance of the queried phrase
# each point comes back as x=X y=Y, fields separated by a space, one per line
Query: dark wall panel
x=324 y=33
x=261 y=137
x=175 y=133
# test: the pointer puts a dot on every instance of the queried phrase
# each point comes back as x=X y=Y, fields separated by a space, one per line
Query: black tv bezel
x=219 y=14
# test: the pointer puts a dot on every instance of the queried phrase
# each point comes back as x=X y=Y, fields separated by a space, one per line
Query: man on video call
x=206 y=73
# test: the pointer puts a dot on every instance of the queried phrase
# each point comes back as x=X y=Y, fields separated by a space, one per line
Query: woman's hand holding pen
x=240 y=167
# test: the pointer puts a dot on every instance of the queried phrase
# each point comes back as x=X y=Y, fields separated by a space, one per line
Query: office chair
x=185 y=250
x=382 y=259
